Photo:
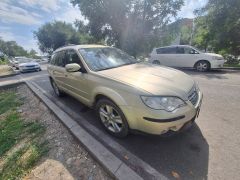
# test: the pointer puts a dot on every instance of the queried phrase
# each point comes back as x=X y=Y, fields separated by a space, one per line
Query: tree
x=32 y=54
x=223 y=25
x=128 y=24
x=56 y=34
x=12 y=49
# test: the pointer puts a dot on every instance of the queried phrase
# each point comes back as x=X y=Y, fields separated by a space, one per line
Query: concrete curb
x=116 y=167
x=231 y=68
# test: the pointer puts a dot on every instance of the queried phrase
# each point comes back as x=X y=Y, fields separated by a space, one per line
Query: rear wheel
x=112 y=118
x=202 y=66
x=57 y=91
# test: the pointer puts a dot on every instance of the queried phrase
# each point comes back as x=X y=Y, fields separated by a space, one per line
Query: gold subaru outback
x=127 y=95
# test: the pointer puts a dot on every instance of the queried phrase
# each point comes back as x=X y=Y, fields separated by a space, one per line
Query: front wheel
x=57 y=91
x=202 y=66
x=112 y=118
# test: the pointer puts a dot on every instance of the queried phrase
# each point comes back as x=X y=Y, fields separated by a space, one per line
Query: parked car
x=126 y=94
x=26 y=64
x=186 y=56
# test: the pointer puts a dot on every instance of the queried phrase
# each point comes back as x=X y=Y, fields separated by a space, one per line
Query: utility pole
x=192 y=32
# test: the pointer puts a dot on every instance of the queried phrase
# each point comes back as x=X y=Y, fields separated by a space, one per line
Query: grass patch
x=8 y=100
x=21 y=145
x=232 y=65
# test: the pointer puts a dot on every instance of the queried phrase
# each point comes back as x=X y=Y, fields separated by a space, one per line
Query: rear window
x=170 y=50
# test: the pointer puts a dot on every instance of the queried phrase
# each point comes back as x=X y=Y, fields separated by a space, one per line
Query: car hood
x=29 y=64
x=213 y=54
x=154 y=79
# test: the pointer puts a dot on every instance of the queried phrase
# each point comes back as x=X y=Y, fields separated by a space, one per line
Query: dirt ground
x=66 y=158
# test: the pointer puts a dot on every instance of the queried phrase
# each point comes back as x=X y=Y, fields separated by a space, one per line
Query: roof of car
x=175 y=46
x=80 y=46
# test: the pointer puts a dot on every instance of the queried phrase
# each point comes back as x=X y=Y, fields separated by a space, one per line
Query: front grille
x=30 y=66
x=193 y=96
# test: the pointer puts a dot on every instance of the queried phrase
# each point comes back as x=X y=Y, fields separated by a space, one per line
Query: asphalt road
x=209 y=150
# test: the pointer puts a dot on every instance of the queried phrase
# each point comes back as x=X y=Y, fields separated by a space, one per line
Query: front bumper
x=29 y=69
x=215 y=64
x=160 y=122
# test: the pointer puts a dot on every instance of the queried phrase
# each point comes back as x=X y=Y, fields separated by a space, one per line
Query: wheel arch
x=109 y=94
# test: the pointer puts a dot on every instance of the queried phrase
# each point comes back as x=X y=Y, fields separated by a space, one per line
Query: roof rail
x=67 y=45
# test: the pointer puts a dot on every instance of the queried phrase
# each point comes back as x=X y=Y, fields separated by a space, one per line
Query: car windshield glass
x=23 y=60
x=99 y=59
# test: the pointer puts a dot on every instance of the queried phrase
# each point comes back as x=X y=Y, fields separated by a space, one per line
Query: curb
x=116 y=167
x=231 y=68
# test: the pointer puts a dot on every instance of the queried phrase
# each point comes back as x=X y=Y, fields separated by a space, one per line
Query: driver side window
x=72 y=57
x=188 y=50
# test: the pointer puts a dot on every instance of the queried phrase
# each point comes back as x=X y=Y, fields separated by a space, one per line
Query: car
x=128 y=95
x=26 y=64
x=187 y=57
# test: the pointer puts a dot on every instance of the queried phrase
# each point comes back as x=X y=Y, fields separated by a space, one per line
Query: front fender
x=113 y=95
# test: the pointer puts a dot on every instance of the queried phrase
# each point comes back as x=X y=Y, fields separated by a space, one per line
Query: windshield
x=23 y=60
x=99 y=59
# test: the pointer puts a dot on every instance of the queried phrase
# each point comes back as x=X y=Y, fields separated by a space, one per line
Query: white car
x=27 y=65
x=186 y=56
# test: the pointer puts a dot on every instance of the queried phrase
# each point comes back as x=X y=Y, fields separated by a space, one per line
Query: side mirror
x=73 y=67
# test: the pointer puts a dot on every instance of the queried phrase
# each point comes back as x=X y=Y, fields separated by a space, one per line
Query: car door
x=58 y=69
x=76 y=82
x=187 y=56
x=165 y=55
x=169 y=56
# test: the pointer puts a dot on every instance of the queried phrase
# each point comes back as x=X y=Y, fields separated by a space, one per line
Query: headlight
x=217 y=58
x=163 y=103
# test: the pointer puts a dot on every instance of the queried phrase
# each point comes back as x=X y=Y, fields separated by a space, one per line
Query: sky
x=19 y=18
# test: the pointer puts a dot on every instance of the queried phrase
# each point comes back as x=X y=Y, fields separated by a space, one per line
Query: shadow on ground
x=213 y=74
x=186 y=153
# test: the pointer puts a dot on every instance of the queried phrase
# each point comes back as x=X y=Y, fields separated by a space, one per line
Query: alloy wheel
x=202 y=66
x=111 y=118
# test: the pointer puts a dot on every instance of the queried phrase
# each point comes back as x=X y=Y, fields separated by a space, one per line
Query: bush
x=3 y=60
x=230 y=59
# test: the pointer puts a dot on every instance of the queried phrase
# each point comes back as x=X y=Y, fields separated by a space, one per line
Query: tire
x=108 y=112
x=156 y=62
x=202 y=66
x=57 y=91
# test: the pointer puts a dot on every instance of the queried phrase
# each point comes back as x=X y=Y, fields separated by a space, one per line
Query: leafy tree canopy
x=53 y=35
x=132 y=25
x=220 y=26
x=12 y=49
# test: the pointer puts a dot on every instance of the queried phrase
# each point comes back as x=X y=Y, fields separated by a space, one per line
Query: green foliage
x=8 y=100
x=56 y=34
x=12 y=49
x=21 y=145
x=221 y=29
x=132 y=25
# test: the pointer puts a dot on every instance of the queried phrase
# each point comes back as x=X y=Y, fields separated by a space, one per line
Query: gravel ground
x=66 y=159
